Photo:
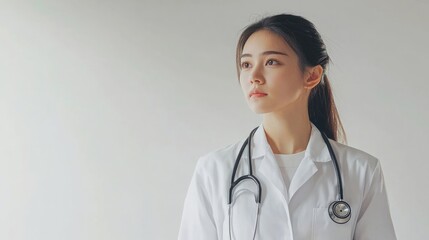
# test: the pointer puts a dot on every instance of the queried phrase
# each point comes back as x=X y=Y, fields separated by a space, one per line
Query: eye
x=271 y=61
x=244 y=65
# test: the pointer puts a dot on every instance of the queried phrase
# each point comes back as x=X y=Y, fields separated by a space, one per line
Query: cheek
x=242 y=78
x=245 y=85
x=286 y=87
x=244 y=89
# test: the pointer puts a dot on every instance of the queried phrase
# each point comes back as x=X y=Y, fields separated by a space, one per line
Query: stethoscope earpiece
x=340 y=211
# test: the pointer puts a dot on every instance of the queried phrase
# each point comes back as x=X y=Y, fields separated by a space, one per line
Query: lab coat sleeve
x=197 y=217
x=374 y=220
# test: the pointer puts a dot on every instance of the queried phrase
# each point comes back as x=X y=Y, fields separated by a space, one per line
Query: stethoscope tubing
x=337 y=168
x=248 y=176
x=340 y=216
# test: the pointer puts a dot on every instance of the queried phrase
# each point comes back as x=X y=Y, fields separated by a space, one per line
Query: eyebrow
x=264 y=53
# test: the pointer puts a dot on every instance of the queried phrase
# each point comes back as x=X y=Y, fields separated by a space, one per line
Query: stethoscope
x=339 y=210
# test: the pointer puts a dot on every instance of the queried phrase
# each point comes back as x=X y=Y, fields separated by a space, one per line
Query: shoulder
x=355 y=160
x=219 y=158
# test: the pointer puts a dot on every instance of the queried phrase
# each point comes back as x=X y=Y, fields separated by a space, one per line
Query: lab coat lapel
x=270 y=169
x=305 y=171
x=268 y=166
x=316 y=151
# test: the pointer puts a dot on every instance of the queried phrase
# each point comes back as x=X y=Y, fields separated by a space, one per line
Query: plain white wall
x=105 y=106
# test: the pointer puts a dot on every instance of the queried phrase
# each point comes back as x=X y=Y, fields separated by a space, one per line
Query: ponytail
x=301 y=35
x=323 y=112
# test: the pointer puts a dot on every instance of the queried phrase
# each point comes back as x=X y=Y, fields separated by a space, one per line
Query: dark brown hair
x=302 y=36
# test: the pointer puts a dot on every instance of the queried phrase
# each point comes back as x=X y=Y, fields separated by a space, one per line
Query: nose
x=256 y=76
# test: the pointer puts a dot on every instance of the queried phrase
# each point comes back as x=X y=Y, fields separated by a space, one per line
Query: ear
x=314 y=77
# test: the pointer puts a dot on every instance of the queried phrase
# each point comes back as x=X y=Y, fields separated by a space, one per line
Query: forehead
x=265 y=40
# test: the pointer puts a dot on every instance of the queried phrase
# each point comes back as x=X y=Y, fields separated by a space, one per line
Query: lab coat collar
x=316 y=149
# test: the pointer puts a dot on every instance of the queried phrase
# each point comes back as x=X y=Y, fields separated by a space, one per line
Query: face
x=269 y=65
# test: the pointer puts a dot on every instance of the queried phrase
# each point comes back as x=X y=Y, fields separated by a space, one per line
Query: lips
x=257 y=93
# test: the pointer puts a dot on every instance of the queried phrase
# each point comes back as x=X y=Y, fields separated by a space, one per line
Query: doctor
x=281 y=64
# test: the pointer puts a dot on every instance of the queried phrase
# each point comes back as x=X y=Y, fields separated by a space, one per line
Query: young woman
x=290 y=179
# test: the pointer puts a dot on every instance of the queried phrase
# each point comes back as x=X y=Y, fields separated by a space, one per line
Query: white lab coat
x=301 y=212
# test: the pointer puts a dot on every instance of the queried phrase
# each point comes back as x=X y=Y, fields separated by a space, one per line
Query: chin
x=259 y=109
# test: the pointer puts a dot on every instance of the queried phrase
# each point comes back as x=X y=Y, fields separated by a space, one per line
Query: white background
x=105 y=106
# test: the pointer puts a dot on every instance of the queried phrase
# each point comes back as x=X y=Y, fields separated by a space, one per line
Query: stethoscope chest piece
x=340 y=211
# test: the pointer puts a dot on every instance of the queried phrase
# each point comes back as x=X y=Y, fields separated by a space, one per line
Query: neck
x=287 y=134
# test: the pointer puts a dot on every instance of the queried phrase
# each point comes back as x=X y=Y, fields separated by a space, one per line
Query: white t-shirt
x=288 y=164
